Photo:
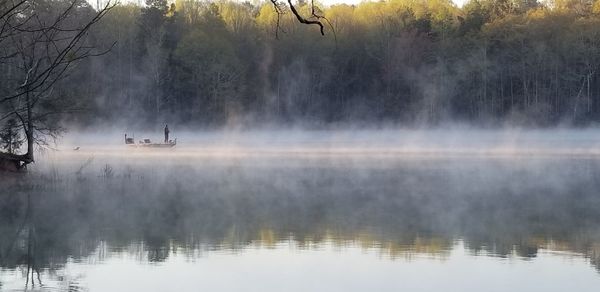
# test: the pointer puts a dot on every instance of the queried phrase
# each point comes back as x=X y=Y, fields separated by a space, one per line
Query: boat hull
x=153 y=145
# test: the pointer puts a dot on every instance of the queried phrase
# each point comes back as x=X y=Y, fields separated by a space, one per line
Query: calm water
x=114 y=220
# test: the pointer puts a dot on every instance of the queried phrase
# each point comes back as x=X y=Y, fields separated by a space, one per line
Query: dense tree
x=10 y=136
x=218 y=63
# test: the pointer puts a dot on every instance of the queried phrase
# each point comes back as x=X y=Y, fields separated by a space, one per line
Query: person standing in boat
x=166 y=133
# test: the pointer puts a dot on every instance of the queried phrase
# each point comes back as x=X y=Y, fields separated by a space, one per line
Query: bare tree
x=39 y=43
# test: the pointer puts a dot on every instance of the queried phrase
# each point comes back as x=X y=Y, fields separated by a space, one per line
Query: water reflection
x=400 y=208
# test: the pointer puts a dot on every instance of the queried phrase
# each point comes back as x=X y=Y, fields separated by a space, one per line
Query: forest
x=211 y=64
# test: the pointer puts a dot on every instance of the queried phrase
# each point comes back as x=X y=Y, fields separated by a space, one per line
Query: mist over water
x=438 y=141
x=298 y=210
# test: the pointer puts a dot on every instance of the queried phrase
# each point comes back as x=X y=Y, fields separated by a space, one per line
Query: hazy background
x=208 y=65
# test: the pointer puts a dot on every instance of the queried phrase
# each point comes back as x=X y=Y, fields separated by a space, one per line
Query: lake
x=308 y=212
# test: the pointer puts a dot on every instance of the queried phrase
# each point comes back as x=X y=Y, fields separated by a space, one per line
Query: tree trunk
x=29 y=131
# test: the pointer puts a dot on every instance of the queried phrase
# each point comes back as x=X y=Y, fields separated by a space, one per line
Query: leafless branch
x=301 y=19
x=42 y=48
x=48 y=77
x=13 y=8
x=316 y=19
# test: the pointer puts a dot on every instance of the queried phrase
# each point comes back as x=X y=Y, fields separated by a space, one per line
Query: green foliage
x=214 y=63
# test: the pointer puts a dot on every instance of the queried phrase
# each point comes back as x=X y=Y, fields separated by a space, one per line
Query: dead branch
x=304 y=20
x=279 y=10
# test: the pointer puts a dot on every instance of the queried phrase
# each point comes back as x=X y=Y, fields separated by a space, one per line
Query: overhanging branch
x=316 y=21
x=301 y=19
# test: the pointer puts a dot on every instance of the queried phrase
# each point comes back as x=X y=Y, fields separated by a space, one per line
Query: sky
x=459 y=3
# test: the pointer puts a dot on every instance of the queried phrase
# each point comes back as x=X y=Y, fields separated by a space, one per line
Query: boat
x=147 y=143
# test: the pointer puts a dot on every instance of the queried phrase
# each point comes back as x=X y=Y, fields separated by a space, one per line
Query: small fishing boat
x=147 y=143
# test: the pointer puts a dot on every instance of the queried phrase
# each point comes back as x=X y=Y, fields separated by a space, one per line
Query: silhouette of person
x=166 y=133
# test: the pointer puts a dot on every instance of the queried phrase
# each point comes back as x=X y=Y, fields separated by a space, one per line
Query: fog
x=400 y=193
x=459 y=141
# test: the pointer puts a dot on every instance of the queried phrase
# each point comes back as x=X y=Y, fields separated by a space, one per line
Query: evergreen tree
x=10 y=137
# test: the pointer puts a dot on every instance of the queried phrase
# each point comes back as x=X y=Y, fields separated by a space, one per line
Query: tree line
x=219 y=63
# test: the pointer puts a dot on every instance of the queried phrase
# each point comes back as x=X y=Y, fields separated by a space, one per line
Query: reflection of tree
x=199 y=210
x=22 y=245
x=594 y=255
x=37 y=239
